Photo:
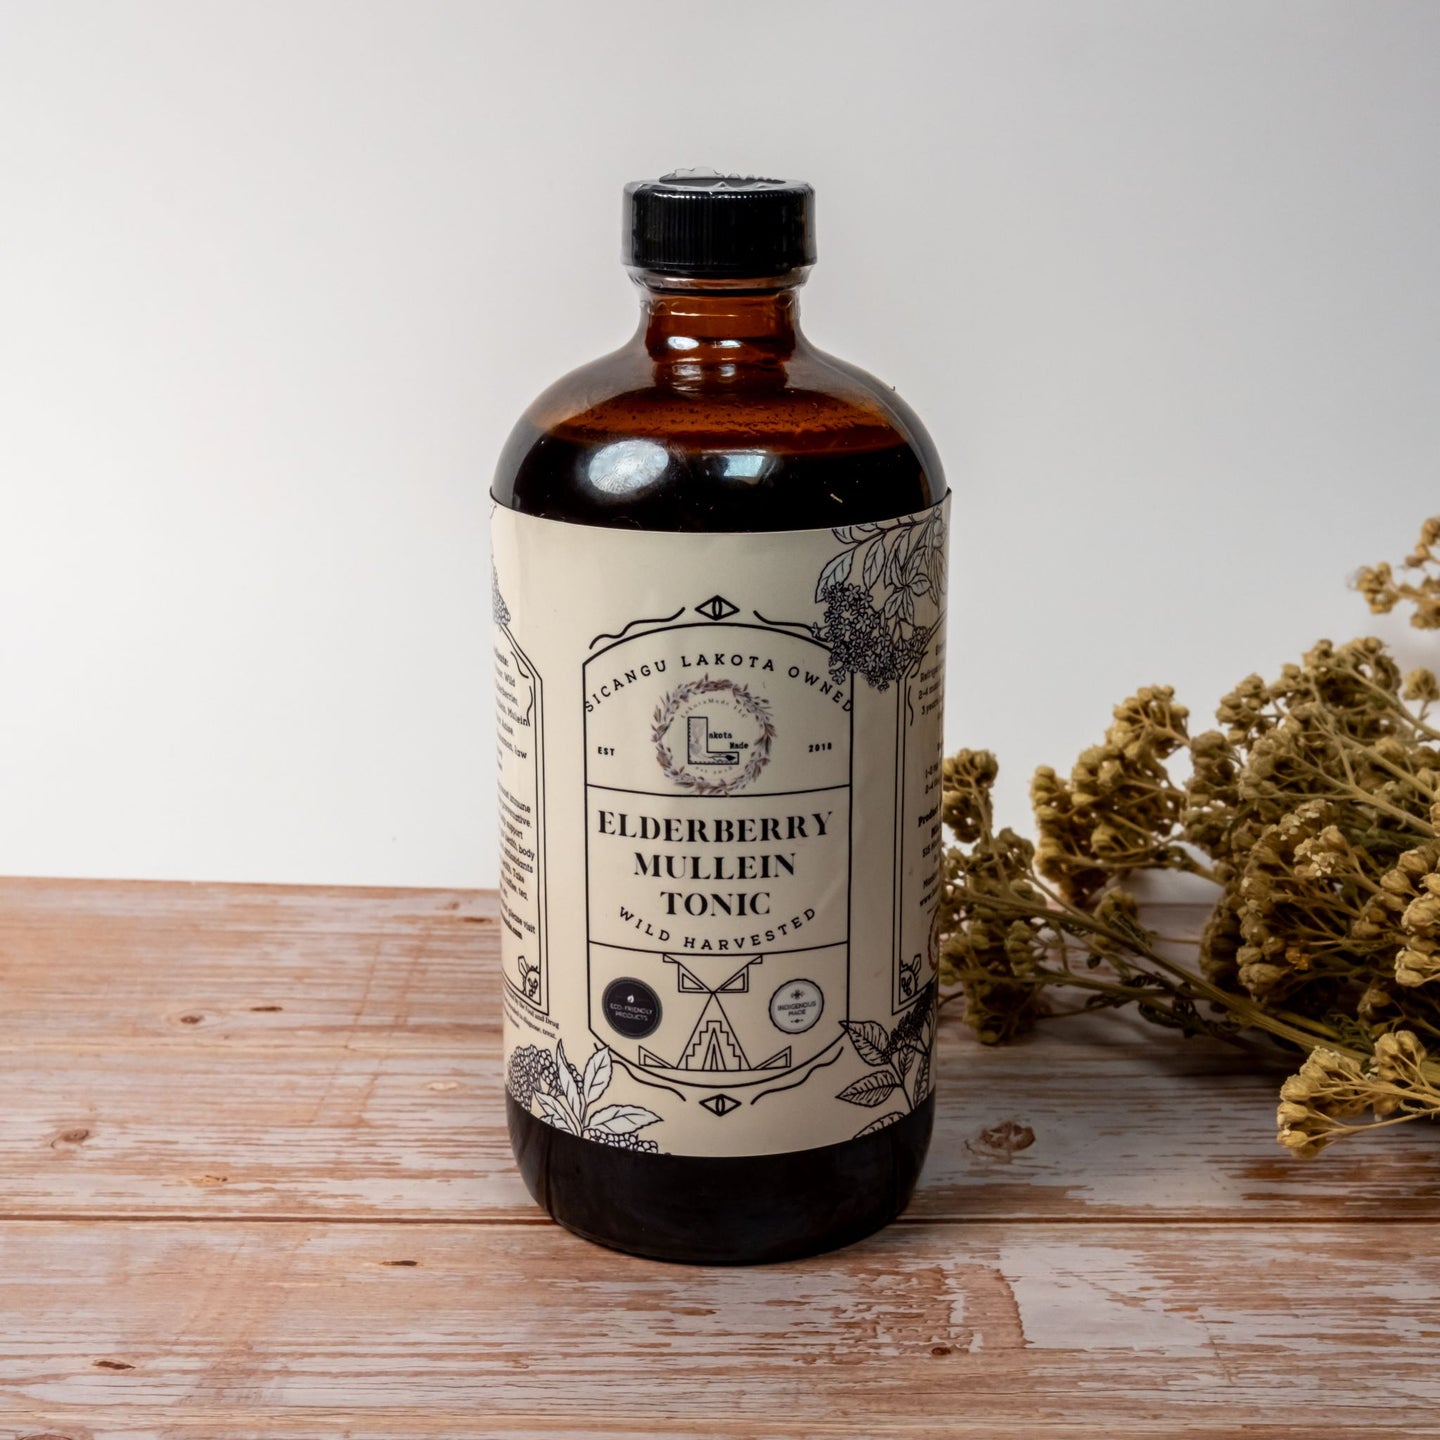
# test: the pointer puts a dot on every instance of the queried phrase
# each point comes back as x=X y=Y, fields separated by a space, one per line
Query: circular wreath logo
x=712 y=736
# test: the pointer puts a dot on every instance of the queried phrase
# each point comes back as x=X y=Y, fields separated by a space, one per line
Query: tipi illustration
x=712 y=1044
x=713 y=1047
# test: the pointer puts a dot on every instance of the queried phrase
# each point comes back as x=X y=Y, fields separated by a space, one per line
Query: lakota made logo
x=712 y=736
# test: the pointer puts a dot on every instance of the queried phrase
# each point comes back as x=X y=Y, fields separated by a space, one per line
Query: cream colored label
x=719 y=814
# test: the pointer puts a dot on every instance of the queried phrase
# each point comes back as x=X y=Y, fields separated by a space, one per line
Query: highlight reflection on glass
x=626 y=466
x=746 y=464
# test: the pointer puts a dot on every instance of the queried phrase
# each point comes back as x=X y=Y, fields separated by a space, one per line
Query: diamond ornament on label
x=717 y=607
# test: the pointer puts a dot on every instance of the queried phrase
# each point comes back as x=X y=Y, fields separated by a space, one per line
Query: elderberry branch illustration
x=568 y=1099
x=891 y=1054
x=870 y=590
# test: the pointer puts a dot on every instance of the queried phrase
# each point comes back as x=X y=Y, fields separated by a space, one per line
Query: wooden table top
x=254 y=1182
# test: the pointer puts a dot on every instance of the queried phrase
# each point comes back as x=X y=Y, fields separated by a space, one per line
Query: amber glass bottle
x=719 y=604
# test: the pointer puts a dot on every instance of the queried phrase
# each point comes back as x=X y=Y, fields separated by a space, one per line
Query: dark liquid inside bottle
x=719 y=489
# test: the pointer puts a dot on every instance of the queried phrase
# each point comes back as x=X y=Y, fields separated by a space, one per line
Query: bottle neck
x=725 y=322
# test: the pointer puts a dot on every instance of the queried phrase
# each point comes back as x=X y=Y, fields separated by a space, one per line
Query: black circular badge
x=631 y=1007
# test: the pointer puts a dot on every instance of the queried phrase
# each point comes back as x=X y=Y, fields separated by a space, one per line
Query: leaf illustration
x=556 y=1113
x=870 y=1090
x=597 y=1075
x=883 y=1123
x=834 y=573
x=874 y=562
x=903 y=1042
x=621 y=1119
x=569 y=1082
x=921 y=1086
x=868 y=1037
x=899 y=554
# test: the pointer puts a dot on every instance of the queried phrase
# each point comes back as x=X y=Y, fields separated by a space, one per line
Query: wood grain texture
x=254 y=1182
x=255 y=1329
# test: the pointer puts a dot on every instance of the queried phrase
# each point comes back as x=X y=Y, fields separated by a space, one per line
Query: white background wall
x=275 y=279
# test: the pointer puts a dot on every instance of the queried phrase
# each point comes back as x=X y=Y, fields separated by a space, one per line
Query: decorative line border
x=819 y=1063
x=643 y=1077
x=800 y=625
x=656 y=620
x=541 y=1001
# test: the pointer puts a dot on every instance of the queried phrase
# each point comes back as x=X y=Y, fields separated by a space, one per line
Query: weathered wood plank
x=96 y=964
x=210 y=1130
x=211 y=1050
x=288 y=1330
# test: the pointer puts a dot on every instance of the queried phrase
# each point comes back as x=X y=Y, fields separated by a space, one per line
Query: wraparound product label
x=719 y=810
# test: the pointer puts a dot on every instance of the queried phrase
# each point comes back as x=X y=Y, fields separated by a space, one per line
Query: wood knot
x=1002 y=1141
x=112 y=1365
x=191 y=1019
x=940 y=1351
x=77 y=1135
x=265 y=1009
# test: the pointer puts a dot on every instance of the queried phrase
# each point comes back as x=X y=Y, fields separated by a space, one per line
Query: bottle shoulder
x=799 y=442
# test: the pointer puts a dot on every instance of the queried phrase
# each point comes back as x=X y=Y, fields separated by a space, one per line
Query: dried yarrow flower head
x=1295 y=905
x=1330 y=1089
x=1327 y=1089
x=1421 y=688
x=966 y=780
x=992 y=914
x=1334 y=726
x=1383 y=592
x=1400 y=1067
x=1119 y=807
x=1412 y=889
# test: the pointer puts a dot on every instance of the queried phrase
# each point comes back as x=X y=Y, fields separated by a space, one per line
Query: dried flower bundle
x=1315 y=807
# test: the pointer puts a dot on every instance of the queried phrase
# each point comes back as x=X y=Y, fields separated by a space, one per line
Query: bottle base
x=732 y=1210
